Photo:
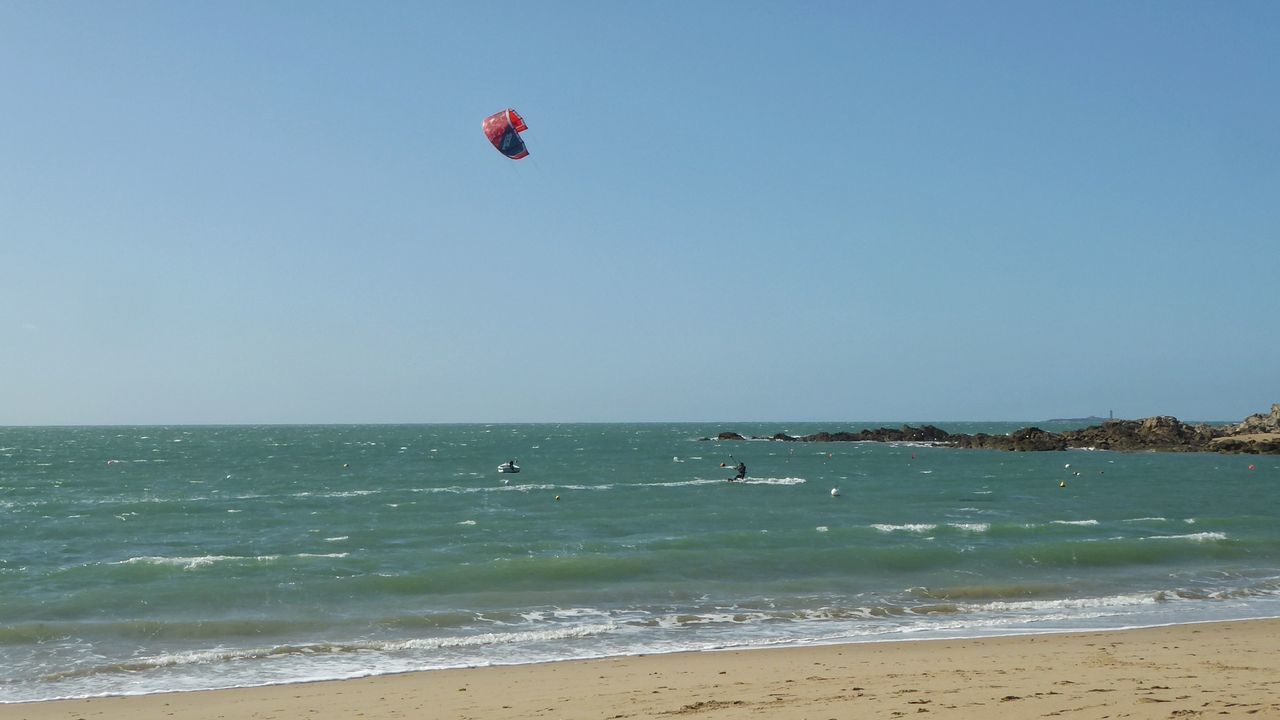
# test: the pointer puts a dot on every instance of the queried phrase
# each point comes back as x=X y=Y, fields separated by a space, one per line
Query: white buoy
x=1067 y=465
x=835 y=492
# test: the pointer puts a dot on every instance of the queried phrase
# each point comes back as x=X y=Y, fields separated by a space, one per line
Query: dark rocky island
x=1257 y=434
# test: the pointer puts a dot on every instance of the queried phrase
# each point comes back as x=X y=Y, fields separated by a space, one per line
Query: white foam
x=203 y=657
x=194 y=563
x=971 y=527
x=773 y=481
x=1066 y=603
x=188 y=563
x=910 y=527
x=1075 y=522
x=1194 y=537
x=342 y=493
x=682 y=483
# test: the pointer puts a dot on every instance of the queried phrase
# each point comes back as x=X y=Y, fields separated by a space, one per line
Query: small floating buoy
x=346 y=465
x=1062 y=483
x=557 y=498
x=835 y=492
x=1251 y=467
x=1067 y=465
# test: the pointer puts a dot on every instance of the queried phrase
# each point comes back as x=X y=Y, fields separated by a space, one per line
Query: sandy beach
x=1183 y=671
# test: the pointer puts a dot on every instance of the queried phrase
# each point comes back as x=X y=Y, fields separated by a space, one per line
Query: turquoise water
x=146 y=559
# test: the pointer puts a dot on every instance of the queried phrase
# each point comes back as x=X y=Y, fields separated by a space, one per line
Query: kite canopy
x=503 y=129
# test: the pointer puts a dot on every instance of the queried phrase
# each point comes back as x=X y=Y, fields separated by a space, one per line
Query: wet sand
x=1183 y=671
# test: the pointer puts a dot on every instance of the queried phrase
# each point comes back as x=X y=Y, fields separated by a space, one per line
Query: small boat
x=509 y=466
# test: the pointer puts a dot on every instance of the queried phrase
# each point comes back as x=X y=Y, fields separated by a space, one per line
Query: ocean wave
x=1195 y=537
x=195 y=563
x=502 y=638
x=989 y=592
x=217 y=630
x=910 y=527
x=1111 y=601
x=223 y=656
x=1074 y=522
x=331 y=494
x=965 y=527
x=594 y=616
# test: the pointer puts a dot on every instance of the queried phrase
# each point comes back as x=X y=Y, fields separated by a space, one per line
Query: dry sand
x=1185 y=671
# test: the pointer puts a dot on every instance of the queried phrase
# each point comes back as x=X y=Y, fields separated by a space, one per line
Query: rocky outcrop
x=906 y=433
x=1154 y=433
x=1259 y=434
x=1259 y=423
x=1024 y=440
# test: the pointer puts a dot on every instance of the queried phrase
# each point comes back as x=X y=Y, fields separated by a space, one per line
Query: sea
x=148 y=559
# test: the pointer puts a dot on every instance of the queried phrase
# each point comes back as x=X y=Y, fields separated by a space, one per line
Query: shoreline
x=1181 y=670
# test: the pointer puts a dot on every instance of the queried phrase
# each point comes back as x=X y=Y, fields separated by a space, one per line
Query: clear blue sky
x=242 y=212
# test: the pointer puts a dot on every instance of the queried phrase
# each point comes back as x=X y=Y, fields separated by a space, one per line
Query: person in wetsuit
x=742 y=471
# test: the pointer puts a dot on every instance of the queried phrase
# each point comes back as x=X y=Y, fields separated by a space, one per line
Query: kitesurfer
x=742 y=471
